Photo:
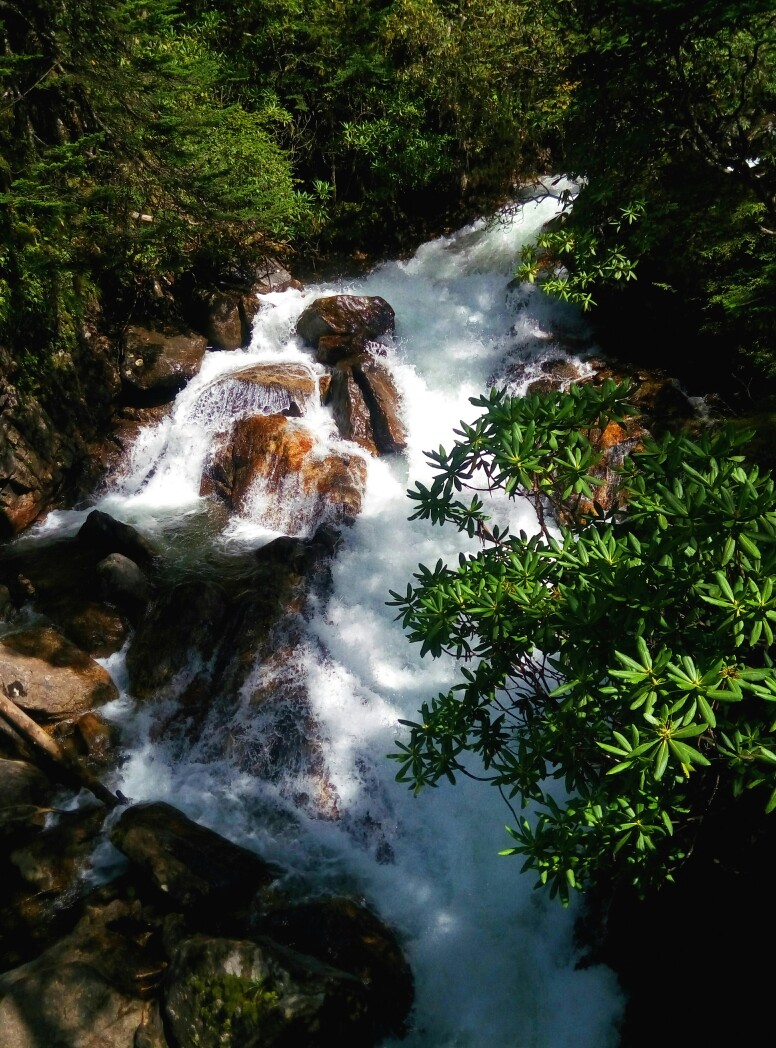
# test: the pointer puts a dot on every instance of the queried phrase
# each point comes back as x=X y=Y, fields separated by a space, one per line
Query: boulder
x=124 y=584
x=660 y=398
x=382 y=399
x=56 y=679
x=183 y=626
x=365 y=404
x=271 y=276
x=21 y=783
x=349 y=408
x=6 y=603
x=58 y=578
x=158 y=364
x=261 y=277
x=196 y=868
x=43 y=881
x=95 y=737
x=226 y=328
x=107 y=455
x=95 y=628
x=89 y=989
x=347 y=935
x=261 y=389
x=34 y=461
x=354 y=319
x=232 y=993
x=231 y=313
x=53 y=862
x=275 y=460
x=90 y=740
x=102 y=535
x=236 y=657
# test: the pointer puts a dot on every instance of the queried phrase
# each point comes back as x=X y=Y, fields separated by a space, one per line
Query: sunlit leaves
x=614 y=670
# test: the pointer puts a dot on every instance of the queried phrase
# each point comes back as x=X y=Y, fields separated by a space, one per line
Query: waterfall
x=495 y=962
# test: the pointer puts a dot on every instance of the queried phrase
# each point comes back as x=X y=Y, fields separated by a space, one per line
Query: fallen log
x=67 y=771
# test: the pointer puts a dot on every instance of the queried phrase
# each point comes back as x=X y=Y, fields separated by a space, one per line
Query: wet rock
x=341 y=933
x=261 y=277
x=271 y=276
x=182 y=627
x=97 y=629
x=226 y=328
x=281 y=743
x=35 y=458
x=231 y=992
x=158 y=364
x=276 y=459
x=150 y=1033
x=350 y=411
x=13 y=746
x=6 y=603
x=197 y=869
x=662 y=401
x=89 y=989
x=20 y=822
x=57 y=678
x=102 y=535
x=52 y=862
x=90 y=740
x=552 y=373
x=365 y=404
x=124 y=584
x=237 y=654
x=106 y=456
x=43 y=884
x=262 y=389
x=58 y=579
x=354 y=319
x=96 y=736
x=382 y=399
x=334 y=348
x=22 y=783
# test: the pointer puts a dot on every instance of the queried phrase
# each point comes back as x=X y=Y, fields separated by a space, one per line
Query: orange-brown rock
x=350 y=410
x=275 y=459
x=382 y=399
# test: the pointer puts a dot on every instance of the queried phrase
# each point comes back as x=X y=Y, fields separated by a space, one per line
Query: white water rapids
x=494 y=961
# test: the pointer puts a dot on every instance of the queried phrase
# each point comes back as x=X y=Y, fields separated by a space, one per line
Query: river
x=495 y=962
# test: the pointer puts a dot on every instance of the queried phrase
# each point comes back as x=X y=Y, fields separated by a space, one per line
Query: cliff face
x=47 y=435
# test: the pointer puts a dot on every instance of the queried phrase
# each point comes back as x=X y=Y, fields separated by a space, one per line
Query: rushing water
x=494 y=961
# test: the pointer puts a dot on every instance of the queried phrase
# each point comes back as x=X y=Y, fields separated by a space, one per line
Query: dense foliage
x=146 y=137
x=156 y=136
x=616 y=670
x=394 y=110
x=119 y=160
x=672 y=113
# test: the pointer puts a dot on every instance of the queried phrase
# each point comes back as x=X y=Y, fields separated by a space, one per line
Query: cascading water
x=494 y=961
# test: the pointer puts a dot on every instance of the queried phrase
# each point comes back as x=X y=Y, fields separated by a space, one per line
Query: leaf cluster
x=616 y=671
